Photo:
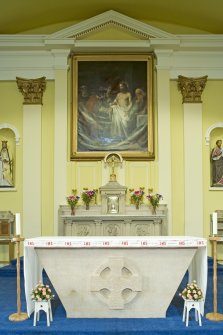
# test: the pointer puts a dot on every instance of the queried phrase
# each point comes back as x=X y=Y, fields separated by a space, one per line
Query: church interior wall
x=92 y=174
x=212 y=113
x=89 y=174
x=11 y=113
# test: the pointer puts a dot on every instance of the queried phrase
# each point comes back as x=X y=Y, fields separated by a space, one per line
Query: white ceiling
x=173 y=16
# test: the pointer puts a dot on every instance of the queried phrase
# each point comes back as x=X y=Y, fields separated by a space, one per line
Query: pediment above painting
x=111 y=32
x=110 y=22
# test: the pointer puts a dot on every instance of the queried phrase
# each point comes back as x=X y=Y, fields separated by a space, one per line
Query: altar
x=132 y=222
x=114 y=277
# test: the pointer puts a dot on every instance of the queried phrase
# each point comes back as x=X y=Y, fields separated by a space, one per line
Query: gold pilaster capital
x=32 y=90
x=191 y=88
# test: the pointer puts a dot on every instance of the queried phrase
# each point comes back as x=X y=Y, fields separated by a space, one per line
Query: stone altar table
x=110 y=277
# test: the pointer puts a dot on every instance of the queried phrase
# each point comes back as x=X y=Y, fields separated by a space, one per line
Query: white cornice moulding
x=31 y=64
x=191 y=63
x=22 y=44
x=60 y=58
x=68 y=38
x=35 y=64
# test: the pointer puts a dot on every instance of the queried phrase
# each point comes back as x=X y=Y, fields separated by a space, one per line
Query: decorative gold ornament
x=191 y=88
x=32 y=90
x=112 y=160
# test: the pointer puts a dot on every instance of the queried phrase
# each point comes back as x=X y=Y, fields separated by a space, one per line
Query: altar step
x=61 y=325
x=10 y=269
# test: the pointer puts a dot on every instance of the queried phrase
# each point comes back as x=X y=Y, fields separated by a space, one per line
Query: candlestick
x=215 y=316
x=17 y=222
x=18 y=316
x=214 y=223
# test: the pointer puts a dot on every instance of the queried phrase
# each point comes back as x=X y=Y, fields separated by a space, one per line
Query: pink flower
x=192 y=292
x=41 y=292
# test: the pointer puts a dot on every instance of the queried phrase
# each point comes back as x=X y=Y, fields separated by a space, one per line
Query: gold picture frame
x=112 y=106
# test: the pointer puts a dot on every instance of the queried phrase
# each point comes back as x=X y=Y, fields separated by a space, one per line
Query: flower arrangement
x=72 y=200
x=88 y=195
x=192 y=292
x=154 y=200
x=136 y=197
x=42 y=293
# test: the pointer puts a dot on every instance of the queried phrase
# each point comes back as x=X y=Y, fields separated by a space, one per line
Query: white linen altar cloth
x=33 y=270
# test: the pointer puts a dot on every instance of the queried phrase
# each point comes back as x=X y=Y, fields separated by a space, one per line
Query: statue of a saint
x=6 y=178
x=217 y=164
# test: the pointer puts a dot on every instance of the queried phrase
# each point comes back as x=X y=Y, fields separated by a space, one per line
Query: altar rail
x=135 y=222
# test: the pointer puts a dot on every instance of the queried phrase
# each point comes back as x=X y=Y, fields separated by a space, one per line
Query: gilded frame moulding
x=112 y=108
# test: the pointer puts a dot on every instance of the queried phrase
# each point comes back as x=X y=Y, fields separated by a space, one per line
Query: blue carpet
x=172 y=324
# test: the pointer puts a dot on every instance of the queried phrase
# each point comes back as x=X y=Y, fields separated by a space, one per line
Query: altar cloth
x=134 y=253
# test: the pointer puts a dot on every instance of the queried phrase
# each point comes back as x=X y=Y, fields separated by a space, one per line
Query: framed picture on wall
x=112 y=106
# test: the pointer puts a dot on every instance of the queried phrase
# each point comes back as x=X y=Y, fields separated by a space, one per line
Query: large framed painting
x=112 y=106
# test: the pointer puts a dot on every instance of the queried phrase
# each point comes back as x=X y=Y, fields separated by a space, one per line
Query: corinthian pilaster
x=191 y=88
x=32 y=90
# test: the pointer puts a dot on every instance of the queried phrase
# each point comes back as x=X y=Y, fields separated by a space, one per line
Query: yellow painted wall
x=11 y=113
x=212 y=98
x=89 y=174
x=137 y=174
x=212 y=113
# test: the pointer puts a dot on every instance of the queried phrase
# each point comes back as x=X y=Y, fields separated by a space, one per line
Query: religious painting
x=112 y=109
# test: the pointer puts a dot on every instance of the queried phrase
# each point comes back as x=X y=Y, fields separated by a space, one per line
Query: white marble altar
x=114 y=277
x=135 y=222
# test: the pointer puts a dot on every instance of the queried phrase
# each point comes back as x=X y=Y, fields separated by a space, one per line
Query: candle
x=214 y=223
x=17 y=222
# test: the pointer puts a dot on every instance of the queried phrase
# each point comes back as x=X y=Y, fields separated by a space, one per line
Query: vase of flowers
x=136 y=197
x=154 y=200
x=42 y=293
x=192 y=292
x=87 y=196
x=72 y=201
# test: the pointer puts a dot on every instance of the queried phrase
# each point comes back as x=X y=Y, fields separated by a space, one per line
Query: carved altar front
x=134 y=222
